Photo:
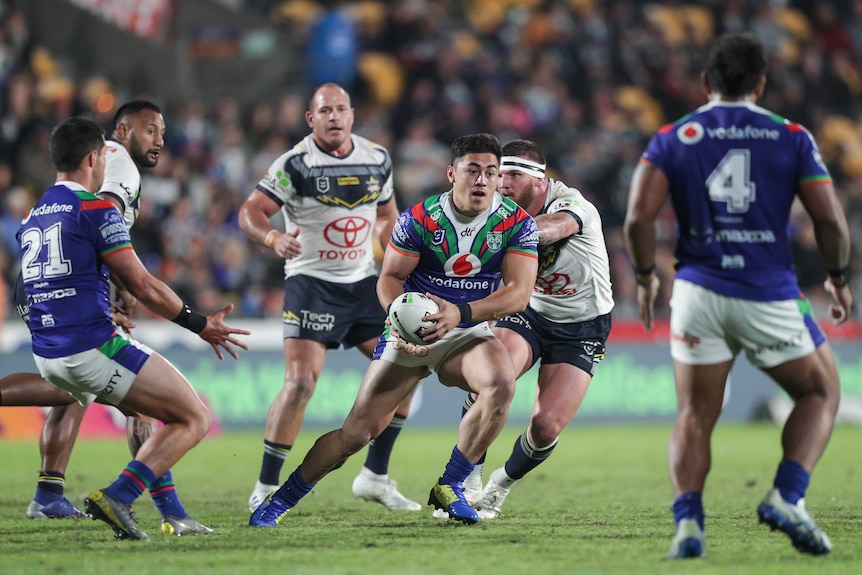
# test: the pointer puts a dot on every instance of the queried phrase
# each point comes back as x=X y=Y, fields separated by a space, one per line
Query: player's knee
x=354 y=439
x=545 y=428
x=500 y=393
x=300 y=388
x=201 y=421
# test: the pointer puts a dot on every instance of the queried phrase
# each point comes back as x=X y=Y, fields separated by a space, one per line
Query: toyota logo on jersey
x=690 y=133
x=347 y=232
x=462 y=266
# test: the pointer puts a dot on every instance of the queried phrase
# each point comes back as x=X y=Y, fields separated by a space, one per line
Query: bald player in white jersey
x=335 y=192
x=566 y=324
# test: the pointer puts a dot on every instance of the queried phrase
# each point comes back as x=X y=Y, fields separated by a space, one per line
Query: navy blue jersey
x=63 y=241
x=733 y=170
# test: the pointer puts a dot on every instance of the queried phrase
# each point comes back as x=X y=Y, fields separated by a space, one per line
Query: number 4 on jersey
x=730 y=181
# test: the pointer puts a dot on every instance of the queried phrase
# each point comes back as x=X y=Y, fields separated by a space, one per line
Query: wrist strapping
x=266 y=241
x=190 y=319
x=466 y=312
x=838 y=277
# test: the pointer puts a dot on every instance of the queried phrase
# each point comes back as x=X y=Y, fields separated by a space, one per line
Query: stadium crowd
x=589 y=81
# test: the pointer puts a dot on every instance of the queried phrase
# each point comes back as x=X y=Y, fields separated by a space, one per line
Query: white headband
x=529 y=167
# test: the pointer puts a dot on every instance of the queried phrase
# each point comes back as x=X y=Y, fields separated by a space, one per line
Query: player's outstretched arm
x=161 y=299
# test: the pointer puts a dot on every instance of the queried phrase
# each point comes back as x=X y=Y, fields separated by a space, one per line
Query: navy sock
x=457 y=469
x=293 y=489
x=131 y=483
x=792 y=480
x=468 y=403
x=164 y=494
x=525 y=457
x=50 y=487
x=688 y=506
x=274 y=455
x=380 y=447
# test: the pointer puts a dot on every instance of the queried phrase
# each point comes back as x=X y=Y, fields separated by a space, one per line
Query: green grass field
x=599 y=505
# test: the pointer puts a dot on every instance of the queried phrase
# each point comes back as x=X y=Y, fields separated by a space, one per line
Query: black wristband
x=190 y=319
x=644 y=271
x=466 y=312
x=838 y=277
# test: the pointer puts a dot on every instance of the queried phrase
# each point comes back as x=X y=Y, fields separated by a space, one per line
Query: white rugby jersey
x=574 y=281
x=122 y=181
x=333 y=200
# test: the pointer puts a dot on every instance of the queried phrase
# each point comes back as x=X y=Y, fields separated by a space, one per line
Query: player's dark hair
x=475 y=144
x=735 y=63
x=132 y=108
x=524 y=149
x=71 y=140
x=322 y=86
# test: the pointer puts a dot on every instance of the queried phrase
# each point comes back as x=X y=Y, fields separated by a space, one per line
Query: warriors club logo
x=348 y=232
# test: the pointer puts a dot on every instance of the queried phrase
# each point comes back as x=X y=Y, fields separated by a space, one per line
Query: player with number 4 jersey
x=733 y=170
x=733 y=238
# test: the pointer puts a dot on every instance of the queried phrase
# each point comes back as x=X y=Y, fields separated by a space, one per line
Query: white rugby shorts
x=708 y=328
x=401 y=352
x=106 y=372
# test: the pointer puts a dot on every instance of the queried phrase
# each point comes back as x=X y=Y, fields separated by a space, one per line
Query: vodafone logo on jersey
x=347 y=232
x=690 y=133
x=462 y=266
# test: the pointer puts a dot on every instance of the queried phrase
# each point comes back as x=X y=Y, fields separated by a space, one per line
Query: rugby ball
x=407 y=315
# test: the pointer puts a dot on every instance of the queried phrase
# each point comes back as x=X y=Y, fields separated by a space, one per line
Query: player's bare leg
x=59 y=433
x=373 y=482
x=384 y=387
x=700 y=393
x=30 y=389
x=561 y=390
x=162 y=392
x=303 y=360
x=812 y=383
x=481 y=366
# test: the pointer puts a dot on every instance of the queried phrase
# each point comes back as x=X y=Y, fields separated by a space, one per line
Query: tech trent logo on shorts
x=690 y=133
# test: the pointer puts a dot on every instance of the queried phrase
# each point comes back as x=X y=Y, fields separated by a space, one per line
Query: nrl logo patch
x=439 y=236
x=322 y=184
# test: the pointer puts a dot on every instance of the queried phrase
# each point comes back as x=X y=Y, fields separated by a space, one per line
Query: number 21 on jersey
x=56 y=265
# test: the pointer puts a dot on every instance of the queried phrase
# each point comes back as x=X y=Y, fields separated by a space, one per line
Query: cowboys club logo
x=462 y=265
x=552 y=283
x=347 y=232
x=690 y=133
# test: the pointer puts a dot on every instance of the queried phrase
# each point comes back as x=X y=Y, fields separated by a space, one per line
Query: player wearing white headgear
x=566 y=324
